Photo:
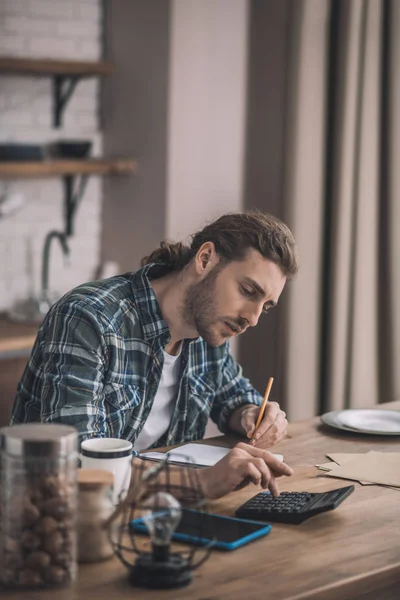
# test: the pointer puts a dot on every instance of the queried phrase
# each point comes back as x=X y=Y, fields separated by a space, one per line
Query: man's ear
x=206 y=258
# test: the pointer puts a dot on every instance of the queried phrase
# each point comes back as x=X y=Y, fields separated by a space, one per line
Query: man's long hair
x=233 y=235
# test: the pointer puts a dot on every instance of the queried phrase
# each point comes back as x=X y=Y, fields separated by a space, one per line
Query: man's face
x=232 y=297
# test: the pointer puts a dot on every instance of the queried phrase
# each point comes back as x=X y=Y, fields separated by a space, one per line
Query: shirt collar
x=147 y=305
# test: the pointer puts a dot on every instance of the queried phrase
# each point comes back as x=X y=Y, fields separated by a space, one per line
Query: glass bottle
x=95 y=505
x=38 y=493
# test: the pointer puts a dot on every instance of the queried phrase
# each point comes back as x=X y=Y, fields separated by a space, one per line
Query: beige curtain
x=342 y=188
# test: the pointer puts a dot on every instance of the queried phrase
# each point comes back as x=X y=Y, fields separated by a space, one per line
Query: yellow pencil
x=264 y=404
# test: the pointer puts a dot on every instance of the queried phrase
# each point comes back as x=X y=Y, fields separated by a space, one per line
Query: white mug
x=111 y=454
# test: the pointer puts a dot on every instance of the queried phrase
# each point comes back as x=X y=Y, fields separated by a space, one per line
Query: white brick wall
x=64 y=29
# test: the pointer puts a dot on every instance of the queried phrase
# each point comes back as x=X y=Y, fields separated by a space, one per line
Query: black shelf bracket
x=73 y=193
x=63 y=88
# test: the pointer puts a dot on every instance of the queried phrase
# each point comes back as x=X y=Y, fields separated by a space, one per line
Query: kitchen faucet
x=45 y=300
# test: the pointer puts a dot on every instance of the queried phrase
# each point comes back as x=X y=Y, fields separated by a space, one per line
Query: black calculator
x=292 y=507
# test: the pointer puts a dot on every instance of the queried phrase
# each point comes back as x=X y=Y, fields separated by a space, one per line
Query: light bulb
x=162 y=513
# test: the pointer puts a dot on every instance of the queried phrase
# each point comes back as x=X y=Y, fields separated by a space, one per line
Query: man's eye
x=265 y=310
x=246 y=291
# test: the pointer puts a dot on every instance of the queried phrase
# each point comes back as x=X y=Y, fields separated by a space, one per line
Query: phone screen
x=224 y=529
x=199 y=527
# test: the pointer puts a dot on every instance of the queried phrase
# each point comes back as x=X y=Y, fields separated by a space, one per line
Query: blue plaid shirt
x=97 y=360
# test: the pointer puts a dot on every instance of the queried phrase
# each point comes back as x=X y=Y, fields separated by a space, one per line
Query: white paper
x=201 y=455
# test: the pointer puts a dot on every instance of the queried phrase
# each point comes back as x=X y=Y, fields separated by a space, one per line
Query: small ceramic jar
x=95 y=488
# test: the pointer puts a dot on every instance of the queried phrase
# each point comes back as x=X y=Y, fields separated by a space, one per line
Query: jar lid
x=39 y=440
x=94 y=478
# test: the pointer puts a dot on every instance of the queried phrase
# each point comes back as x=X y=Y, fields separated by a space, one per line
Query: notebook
x=199 y=455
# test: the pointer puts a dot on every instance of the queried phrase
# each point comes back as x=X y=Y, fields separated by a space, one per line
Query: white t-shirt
x=160 y=415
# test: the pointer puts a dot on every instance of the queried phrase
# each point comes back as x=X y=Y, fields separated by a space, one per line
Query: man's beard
x=199 y=311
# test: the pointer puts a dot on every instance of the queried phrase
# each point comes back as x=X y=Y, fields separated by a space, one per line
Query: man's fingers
x=266 y=474
x=271 y=414
x=278 y=467
x=274 y=433
x=273 y=488
x=250 y=431
x=253 y=473
x=242 y=465
x=258 y=473
x=248 y=420
x=273 y=419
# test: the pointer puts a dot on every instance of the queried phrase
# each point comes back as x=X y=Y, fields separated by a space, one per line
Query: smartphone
x=200 y=529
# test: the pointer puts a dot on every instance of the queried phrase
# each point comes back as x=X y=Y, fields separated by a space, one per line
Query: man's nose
x=252 y=314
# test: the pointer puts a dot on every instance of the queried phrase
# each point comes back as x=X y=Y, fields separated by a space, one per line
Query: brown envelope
x=374 y=467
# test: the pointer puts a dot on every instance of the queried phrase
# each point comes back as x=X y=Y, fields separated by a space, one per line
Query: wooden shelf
x=37 y=67
x=54 y=168
x=65 y=75
x=16 y=337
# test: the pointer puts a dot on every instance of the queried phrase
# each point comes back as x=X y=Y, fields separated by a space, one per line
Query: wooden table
x=351 y=552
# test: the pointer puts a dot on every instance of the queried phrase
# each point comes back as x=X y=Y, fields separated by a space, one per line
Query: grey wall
x=176 y=104
x=135 y=109
x=208 y=76
x=261 y=349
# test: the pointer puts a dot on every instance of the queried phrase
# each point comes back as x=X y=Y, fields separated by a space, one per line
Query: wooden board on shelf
x=35 y=67
x=53 y=168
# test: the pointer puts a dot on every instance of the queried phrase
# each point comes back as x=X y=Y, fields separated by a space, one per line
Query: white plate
x=378 y=421
x=375 y=422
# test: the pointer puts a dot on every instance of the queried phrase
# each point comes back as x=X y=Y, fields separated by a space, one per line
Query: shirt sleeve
x=74 y=358
x=234 y=391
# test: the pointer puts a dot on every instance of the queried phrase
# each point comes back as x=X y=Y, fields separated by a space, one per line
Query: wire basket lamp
x=158 y=496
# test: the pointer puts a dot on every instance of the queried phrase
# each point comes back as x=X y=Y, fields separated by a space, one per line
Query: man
x=145 y=356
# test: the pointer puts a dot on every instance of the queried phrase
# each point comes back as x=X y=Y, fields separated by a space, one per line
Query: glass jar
x=95 y=505
x=38 y=494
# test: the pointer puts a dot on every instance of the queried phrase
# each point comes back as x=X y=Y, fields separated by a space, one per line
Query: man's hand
x=272 y=428
x=244 y=464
